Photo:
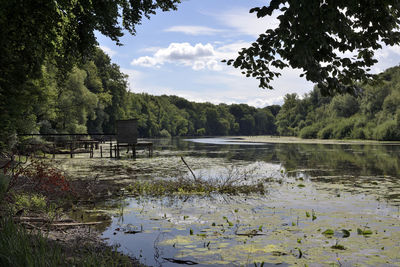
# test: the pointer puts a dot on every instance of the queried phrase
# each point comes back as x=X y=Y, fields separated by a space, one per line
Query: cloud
x=198 y=65
x=194 y=30
x=145 y=61
x=247 y=23
x=198 y=56
x=108 y=50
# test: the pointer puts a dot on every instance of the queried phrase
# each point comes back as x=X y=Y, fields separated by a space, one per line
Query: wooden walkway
x=99 y=146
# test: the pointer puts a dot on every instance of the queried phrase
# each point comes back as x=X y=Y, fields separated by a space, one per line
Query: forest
x=93 y=95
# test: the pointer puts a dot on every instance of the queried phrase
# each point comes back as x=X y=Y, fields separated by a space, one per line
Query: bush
x=327 y=132
x=358 y=133
x=201 y=131
x=309 y=132
x=343 y=129
x=34 y=202
x=387 y=131
x=4 y=180
x=165 y=133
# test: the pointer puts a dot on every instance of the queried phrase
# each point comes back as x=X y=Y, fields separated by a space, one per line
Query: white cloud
x=247 y=23
x=184 y=51
x=198 y=65
x=194 y=30
x=197 y=57
x=146 y=61
x=108 y=50
x=213 y=65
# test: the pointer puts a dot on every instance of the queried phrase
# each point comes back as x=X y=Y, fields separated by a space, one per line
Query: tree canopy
x=35 y=33
x=317 y=36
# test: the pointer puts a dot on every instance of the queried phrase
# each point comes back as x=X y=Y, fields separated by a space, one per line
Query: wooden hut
x=127 y=136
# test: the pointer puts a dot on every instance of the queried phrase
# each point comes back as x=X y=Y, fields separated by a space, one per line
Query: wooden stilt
x=110 y=148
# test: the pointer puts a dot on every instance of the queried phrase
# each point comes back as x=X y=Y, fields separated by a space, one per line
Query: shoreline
x=296 y=140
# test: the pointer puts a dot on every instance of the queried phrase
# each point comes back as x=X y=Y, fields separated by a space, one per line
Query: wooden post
x=54 y=151
x=101 y=151
x=134 y=151
x=70 y=146
x=110 y=148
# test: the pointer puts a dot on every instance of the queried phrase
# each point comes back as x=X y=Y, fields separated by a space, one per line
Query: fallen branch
x=75 y=224
x=187 y=262
x=41 y=219
x=194 y=176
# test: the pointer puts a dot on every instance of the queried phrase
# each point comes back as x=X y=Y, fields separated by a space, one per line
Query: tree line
x=93 y=95
x=372 y=114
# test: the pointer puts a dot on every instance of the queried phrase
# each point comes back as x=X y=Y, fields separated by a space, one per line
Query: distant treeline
x=374 y=114
x=91 y=97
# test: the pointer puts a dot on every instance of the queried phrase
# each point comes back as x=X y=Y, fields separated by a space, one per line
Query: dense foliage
x=374 y=114
x=39 y=38
x=174 y=116
x=319 y=37
x=94 y=95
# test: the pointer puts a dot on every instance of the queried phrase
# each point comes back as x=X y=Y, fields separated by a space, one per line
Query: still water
x=324 y=204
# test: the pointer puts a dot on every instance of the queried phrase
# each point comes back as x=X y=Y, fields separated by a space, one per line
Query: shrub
x=358 y=133
x=387 y=131
x=165 y=133
x=46 y=178
x=201 y=131
x=309 y=132
x=343 y=129
x=34 y=202
x=4 y=180
x=326 y=132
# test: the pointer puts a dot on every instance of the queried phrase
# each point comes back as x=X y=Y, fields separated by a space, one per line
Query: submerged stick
x=194 y=176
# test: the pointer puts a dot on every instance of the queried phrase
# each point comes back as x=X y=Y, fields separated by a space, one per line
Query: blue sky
x=179 y=53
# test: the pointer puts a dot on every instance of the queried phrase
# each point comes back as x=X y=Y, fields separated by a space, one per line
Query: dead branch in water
x=194 y=176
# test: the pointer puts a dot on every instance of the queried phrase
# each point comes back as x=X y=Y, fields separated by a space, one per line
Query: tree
x=61 y=32
x=314 y=35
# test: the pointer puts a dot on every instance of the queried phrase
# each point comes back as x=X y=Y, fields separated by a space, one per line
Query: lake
x=334 y=204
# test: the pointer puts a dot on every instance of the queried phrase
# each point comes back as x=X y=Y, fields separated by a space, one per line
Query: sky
x=180 y=52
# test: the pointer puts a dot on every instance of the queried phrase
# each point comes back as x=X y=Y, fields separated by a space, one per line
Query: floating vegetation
x=366 y=232
x=328 y=233
x=225 y=219
x=233 y=182
x=346 y=233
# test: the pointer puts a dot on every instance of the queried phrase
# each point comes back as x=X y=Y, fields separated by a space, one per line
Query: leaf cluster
x=316 y=37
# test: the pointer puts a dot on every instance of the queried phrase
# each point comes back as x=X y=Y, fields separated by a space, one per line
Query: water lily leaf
x=328 y=232
x=346 y=233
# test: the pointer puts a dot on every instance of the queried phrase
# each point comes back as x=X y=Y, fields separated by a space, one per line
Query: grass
x=21 y=247
x=186 y=187
x=18 y=247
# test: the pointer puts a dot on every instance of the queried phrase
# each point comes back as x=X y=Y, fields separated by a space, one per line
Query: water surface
x=310 y=188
